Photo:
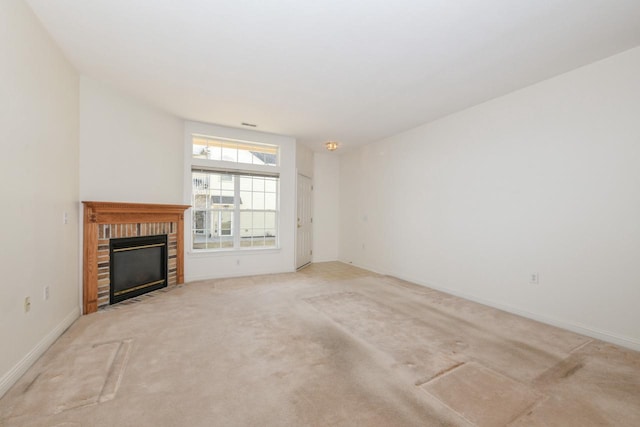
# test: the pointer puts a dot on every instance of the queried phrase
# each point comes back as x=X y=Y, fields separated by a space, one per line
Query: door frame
x=297 y=261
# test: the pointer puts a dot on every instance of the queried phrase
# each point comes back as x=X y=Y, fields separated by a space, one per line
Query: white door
x=304 y=230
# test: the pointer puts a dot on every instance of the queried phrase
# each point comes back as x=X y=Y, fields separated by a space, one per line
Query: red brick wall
x=114 y=231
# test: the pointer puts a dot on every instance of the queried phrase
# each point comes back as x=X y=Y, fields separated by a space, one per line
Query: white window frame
x=235 y=168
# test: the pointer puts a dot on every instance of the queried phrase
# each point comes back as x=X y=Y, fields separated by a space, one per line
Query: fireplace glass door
x=138 y=266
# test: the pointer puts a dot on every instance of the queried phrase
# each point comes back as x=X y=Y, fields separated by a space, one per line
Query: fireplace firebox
x=138 y=266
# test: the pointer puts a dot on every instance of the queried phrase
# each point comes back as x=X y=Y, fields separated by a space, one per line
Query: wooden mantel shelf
x=118 y=213
x=98 y=213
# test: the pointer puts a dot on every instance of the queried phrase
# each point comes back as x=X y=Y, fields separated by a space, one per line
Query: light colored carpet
x=331 y=345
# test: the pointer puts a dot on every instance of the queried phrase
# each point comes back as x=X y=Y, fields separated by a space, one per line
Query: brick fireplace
x=104 y=221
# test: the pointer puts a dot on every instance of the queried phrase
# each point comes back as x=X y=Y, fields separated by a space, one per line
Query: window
x=234 y=208
x=213 y=203
x=227 y=150
x=258 y=211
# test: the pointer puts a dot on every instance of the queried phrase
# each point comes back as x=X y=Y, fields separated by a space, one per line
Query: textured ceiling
x=354 y=71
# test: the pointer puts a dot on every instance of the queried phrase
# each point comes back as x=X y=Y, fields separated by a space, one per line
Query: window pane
x=270 y=220
x=258 y=220
x=200 y=201
x=227 y=198
x=215 y=150
x=226 y=223
x=199 y=240
x=246 y=200
x=220 y=149
x=246 y=156
x=245 y=183
x=258 y=200
x=227 y=182
x=199 y=219
x=257 y=154
x=270 y=201
x=200 y=182
x=230 y=152
x=246 y=223
x=270 y=185
x=214 y=200
x=258 y=184
x=213 y=225
x=200 y=148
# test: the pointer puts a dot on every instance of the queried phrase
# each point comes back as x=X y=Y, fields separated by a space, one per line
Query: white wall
x=326 y=206
x=39 y=172
x=546 y=180
x=207 y=265
x=129 y=152
x=304 y=160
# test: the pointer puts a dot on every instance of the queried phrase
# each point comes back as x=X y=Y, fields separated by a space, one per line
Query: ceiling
x=354 y=71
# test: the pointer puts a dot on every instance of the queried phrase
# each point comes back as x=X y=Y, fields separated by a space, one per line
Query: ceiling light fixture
x=331 y=145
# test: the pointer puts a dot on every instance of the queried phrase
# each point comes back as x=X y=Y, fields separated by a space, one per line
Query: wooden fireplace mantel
x=97 y=213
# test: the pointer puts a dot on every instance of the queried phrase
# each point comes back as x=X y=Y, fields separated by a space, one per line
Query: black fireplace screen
x=138 y=266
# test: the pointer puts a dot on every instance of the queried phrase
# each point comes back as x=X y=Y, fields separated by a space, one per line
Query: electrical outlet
x=46 y=292
x=534 y=278
x=65 y=218
x=27 y=304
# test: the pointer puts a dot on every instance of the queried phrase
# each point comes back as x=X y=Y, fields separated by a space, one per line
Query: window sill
x=235 y=252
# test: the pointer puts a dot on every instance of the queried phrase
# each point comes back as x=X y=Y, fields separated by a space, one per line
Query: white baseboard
x=14 y=374
x=549 y=320
x=197 y=278
x=363 y=266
